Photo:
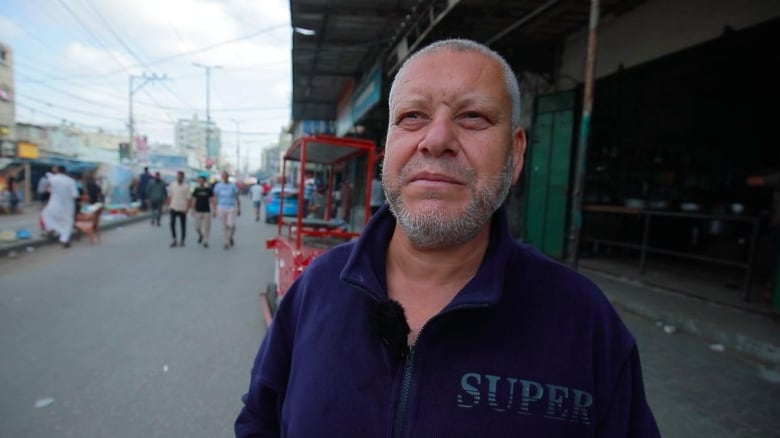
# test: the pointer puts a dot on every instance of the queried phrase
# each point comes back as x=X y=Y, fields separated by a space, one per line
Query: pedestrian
x=256 y=192
x=143 y=180
x=42 y=190
x=178 y=203
x=12 y=196
x=228 y=207
x=59 y=214
x=93 y=190
x=377 y=195
x=156 y=194
x=202 y=204
x=436 y=322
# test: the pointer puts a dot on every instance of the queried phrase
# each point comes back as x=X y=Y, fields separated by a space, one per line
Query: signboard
x=367 y=94
x=27 y=150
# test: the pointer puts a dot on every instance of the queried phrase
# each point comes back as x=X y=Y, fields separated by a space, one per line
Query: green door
x=546 y=207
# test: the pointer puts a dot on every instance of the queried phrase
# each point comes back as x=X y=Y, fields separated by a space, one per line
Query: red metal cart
x=301 y=239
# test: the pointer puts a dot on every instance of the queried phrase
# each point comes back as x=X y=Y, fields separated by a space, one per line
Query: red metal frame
x=292 y=256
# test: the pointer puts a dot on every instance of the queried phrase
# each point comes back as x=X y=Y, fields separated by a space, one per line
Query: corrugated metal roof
x=350 y=35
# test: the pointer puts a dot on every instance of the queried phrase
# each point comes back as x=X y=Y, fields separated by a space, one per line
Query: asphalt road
x=131 y=338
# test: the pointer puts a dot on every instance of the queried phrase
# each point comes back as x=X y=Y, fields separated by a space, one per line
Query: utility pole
x=208 y=105
x=131 y=90
x=238 y=143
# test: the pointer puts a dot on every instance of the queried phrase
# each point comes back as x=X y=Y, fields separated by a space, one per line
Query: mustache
x=446 y=166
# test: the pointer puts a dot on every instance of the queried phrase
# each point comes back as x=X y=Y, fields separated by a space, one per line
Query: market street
x=131 y=338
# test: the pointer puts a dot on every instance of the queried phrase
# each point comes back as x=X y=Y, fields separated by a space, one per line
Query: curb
x=761 y=350
x=22 y=245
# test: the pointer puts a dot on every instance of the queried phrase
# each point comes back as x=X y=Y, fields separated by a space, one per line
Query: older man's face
x=450 y=147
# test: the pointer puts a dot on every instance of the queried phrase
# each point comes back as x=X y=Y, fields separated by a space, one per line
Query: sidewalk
x=28 y=220
x=754 y=334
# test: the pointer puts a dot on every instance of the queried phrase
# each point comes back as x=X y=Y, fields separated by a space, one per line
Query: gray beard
x=433 y=228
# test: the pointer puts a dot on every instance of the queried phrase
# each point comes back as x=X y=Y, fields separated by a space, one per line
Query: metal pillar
x=575 y=218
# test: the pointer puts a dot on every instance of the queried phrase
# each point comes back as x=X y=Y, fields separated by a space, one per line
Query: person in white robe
x=60 y=211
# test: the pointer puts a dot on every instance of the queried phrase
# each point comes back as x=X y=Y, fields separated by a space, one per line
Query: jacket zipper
x=399 y=424
x=403 y=399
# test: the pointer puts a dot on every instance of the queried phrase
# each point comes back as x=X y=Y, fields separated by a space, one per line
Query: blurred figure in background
x=156 y=192
x=94 y=193
x=256 y=191
x=202 y=204
x=143 y=180
x=228 y=207
x=60 y=211
x=179 y=203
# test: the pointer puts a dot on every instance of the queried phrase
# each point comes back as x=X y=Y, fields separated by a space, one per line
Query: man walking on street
x=143 y=181
x=60 y=211
x=156 y=192
x=256 y=191
x=228 y=207
x=202 y=204
x=179 y=202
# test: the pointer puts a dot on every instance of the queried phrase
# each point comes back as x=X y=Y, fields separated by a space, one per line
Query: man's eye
x=474 y=120
x=409 y=118
x=411 y=115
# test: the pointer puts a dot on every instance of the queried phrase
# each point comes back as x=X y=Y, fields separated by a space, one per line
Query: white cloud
x=250 y=39
x=9 y=30
x=84 y=59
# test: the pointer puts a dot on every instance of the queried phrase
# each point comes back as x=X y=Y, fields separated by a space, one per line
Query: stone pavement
x=754 y=334
x=710 y=370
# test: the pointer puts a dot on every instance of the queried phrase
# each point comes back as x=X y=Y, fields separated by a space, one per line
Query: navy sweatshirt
x=527 y=348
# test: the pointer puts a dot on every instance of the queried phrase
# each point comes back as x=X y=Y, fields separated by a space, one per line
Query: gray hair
x=464 y=45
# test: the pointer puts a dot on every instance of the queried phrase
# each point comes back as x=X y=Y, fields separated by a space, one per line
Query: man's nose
x=440 y=137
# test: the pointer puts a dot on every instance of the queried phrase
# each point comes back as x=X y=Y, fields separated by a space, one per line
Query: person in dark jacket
x=156 y=193
x=435 y=322
x=143 y=181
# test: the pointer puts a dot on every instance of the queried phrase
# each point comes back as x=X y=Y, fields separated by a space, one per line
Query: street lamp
x=131 y=90
x=208 y=104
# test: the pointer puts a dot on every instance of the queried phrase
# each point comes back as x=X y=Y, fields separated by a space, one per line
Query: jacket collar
x=365 y=267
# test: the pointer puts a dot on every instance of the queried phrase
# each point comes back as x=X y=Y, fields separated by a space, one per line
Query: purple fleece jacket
x=527 y=348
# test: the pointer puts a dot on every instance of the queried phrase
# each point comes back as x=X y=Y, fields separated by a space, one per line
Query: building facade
x=7 y=101
x=200 y=142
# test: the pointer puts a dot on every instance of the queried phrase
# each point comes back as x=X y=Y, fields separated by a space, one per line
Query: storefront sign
x=27 y=150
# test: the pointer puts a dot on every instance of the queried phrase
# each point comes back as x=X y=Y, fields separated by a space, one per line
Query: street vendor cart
x=326 y=161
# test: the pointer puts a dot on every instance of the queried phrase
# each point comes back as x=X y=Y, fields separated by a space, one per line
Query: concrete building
x=7 y=102
x=191 y=137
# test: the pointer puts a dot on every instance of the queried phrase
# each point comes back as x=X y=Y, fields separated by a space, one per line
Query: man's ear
x=518 y=152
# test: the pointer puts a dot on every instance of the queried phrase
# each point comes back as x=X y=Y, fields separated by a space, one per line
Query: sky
x=74 y=59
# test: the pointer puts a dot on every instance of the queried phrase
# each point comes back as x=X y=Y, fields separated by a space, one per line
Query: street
x=130 y=338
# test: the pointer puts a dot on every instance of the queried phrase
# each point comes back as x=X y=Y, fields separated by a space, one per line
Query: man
x=143 y=180
x=435 y=322
x=178 y=203
x=228 y=207
x=202 y=204
x=256 y=192
x=156 y=194
x=318 y=202
x=60 y=211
